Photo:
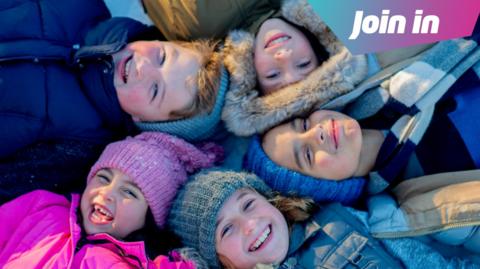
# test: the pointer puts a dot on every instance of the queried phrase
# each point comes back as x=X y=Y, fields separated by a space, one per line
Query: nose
x=107 y=193
x=316 y=134
x=146 y=68
x=249 y=226
x=283 y=54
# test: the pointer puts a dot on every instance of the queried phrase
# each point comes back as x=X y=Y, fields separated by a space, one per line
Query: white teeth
x=279 y=40
x=102 y=211
x=127 y=69
x=261 y=239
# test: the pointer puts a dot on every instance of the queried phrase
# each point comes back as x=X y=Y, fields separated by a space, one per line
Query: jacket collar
x=134 y=252
x=300 y=233
x=97 y=69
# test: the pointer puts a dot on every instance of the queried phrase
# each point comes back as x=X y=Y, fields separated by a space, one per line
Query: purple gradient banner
x=371 y=26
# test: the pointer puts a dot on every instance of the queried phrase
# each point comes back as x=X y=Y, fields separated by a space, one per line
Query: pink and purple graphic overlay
x=371 y=26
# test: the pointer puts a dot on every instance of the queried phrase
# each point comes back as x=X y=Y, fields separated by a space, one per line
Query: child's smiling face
x=249 y=231
x=153 y=79
x=113 y=204
x=283 y=55
x=325 y=145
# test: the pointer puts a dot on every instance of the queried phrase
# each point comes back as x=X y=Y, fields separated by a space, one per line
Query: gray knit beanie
x=194 y=211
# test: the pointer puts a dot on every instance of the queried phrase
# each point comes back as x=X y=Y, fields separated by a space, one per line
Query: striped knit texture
x=196 y=128
x=289 y=182
x=194 y=212
x=157 y=163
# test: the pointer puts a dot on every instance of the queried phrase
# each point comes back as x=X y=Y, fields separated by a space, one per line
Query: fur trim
x=246 y=112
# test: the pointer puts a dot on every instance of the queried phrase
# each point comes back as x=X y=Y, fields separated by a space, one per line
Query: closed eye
x=304 y=64
x=130 y=193
x=225 y=230
x=272 y=75
x=154 y=92
x=103 y=179
x=248 y=205
x=305 y=125
x=308 y=156
x=161 y=58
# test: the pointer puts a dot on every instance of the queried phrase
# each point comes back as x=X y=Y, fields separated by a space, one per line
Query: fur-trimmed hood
x=246 y=112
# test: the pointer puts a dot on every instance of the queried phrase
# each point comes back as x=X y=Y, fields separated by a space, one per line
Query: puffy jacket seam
x=40 y=12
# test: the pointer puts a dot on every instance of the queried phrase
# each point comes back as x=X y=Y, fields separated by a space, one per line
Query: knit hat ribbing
x=290 y=182
x=158 y=164
x=194 y=211
x=198 y=127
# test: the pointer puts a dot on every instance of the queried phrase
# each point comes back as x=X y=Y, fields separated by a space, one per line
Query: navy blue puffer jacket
x=56 y=75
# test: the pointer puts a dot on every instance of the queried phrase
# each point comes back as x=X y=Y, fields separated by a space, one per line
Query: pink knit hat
x=158 y=163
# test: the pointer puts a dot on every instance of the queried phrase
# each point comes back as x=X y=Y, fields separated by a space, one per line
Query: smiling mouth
x=261 y=239
x=277 y=39
x=334 y=134
x=100 y=215
x=126 y=69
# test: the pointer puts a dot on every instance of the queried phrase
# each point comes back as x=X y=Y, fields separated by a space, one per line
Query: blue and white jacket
x=423 y=103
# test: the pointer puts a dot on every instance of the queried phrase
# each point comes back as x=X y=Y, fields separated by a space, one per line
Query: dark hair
x=319 y=50
x=149 y=33
x=157 y=241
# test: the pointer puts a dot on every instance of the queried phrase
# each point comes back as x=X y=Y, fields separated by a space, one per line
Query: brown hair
x=207 y=78
x=227 y=264
x=294 y=209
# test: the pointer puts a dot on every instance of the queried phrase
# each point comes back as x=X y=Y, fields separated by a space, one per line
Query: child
x=286 y=70
x=227 y=217
x=89 y=78
x=89 y=81
x=289 y=62
x=279 y=43
x=326 y=156
x=129 y=191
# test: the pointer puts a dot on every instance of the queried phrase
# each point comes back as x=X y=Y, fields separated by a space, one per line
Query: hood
x=246 y=112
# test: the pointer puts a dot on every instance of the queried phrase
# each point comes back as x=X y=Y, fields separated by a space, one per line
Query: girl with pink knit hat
x=115 y=221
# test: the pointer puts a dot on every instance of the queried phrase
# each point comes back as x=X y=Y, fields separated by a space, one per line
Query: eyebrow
x=240 y=196
x=174 y=55
x=296 y=147
x=133 y=184
x=110 y=172
x=107 y=170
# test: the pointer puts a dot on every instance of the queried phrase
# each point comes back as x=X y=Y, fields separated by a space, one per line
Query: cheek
x=130 y=100
x=324 y=161
x=132 y=218
x=84 y=205
x=333 y=167
x=230 y=248
x=261 y=62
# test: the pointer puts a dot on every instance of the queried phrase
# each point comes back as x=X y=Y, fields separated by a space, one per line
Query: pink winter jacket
x=40 y=230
